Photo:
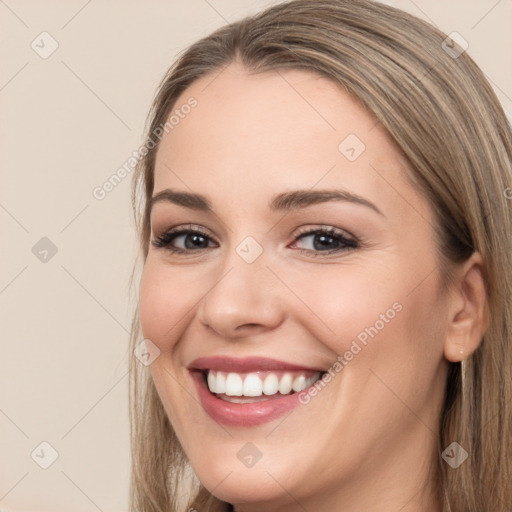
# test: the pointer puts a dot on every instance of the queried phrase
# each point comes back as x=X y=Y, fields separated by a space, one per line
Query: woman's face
x=279 y=267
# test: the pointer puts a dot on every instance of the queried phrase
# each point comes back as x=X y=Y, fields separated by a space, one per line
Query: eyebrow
x=286 y=201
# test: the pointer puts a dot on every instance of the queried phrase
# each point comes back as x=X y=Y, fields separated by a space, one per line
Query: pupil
x=196 y=241
x=324 y=240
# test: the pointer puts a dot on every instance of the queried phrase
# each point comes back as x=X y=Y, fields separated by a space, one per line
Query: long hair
x=444 y=116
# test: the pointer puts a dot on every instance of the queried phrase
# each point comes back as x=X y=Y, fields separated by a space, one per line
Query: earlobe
x=467 y=310
x=460 y=343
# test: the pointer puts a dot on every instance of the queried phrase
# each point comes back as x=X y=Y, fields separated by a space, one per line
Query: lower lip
x=242 y=415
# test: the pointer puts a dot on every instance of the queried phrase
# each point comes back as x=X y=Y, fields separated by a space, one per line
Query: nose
x=244 y=301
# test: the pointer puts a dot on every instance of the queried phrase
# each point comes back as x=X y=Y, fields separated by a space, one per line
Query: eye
x=183 y=239
x=320 y=241
x=325 y=240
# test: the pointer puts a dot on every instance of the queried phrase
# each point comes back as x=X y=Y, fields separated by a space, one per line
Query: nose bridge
x=245 y=263
x=243 y=295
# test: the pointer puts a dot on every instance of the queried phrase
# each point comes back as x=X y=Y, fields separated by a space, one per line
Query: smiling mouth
x=250 y=391
x=257 y=386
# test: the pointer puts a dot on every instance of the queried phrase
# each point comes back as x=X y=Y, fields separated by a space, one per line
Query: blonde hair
x=449 y=124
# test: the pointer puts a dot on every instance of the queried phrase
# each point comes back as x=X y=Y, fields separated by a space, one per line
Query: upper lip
x=246 y=364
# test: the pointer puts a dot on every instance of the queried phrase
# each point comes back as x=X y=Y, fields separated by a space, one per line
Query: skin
x=366 y=440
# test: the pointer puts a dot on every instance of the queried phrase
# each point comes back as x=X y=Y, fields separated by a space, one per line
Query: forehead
x=292 y=107
x=255 y=134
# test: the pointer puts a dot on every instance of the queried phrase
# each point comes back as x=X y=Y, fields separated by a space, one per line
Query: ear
x=468 y=315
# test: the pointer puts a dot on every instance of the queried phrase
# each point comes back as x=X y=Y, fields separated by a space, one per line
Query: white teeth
x=285 y=385
x=252 y=385
x=211 y=381
x=299 y=383
x=234 y=385
x=271 y=384
x=220 y=383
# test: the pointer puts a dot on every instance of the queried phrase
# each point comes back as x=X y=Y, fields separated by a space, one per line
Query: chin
x=240 y=486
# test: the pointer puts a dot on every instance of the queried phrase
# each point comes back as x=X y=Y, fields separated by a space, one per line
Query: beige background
x=68 y=123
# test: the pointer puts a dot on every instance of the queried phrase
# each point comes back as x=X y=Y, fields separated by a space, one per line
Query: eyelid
x=182 y=228
x=311 y=228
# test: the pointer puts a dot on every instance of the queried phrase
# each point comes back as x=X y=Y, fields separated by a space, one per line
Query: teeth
x=252 y=385
x=271 y=384
x=234 y=385
x=257 y=384
x=285 y=385
x=220 y=383
x=299 y=383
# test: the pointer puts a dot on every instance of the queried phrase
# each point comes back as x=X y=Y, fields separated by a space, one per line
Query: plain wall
x=68 y=123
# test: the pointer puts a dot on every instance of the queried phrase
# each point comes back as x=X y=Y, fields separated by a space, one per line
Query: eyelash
x=164 y=240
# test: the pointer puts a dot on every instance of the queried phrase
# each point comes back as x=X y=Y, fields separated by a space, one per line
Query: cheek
x=376 y=311
x=343 y=302
x=165 y=298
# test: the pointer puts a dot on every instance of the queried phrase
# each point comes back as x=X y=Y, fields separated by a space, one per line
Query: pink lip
x=249 y=414
x=246 y=364
x=242 y=415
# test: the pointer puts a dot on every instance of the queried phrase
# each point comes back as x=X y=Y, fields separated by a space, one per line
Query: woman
x=326 y=236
